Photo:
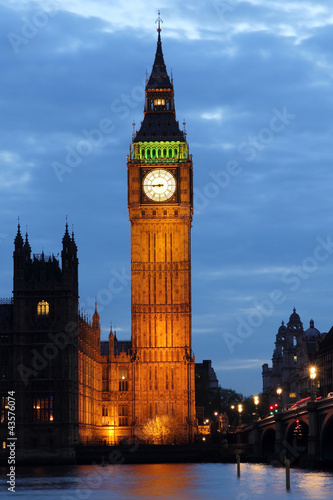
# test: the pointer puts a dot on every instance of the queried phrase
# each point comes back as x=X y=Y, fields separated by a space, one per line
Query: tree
x=228 y=398
x=163 y=430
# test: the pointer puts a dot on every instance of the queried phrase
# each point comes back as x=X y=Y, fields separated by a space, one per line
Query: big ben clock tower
x=160 y=210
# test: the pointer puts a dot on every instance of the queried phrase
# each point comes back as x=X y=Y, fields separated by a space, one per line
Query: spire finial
x=184 y=125
x=159 y=21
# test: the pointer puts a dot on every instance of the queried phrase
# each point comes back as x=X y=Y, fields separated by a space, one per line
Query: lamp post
x=279 y=392
x=240 y=409
x=233 y=419
x=256 y=402
x=313 y=375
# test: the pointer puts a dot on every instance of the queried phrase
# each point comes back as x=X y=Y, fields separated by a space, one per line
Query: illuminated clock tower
x=160 y=210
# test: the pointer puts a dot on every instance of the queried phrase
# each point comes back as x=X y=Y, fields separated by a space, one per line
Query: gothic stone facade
x=70 y=387
x=295 y=351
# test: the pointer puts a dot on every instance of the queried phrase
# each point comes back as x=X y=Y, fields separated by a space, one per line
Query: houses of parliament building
x=70 y=387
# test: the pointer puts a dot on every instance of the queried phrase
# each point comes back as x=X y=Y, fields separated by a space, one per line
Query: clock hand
x=154 y=185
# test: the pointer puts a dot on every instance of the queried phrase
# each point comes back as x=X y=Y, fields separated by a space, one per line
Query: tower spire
x=159 y=21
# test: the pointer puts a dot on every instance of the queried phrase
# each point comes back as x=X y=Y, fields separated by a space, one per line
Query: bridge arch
x=267 y=443
x=296 y=439
x=326 y=439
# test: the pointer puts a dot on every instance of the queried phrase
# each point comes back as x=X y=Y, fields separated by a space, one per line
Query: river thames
x=166 y=481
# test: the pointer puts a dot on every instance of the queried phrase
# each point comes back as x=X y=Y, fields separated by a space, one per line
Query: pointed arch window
x=123 y=416
x=43 y=308
x=43 y=409
x=123 y=379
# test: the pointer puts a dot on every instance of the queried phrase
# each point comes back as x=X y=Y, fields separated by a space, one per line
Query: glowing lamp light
x=279 y=391
x=256 y=400
x=313 y=372
x=240 y=408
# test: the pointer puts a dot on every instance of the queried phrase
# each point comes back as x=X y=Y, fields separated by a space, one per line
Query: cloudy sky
x=253 y=80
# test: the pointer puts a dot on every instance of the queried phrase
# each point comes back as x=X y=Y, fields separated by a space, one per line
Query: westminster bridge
x=303 y=432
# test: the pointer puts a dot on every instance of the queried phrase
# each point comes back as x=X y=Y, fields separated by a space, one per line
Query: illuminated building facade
x=160 y=210
x=295 y=351
x=70 y=387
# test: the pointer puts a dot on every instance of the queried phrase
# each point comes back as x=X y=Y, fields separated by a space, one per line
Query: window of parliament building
x=70 y=386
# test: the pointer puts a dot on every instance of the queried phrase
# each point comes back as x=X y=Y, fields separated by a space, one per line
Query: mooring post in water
x=102 y=461
x=287 y=462
x=238 y=465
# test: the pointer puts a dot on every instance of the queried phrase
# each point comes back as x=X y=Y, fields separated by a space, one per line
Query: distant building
x=325 y=364
x=206 y=390
x=295 y=350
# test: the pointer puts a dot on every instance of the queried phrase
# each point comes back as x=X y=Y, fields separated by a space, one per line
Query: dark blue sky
x=253 y=79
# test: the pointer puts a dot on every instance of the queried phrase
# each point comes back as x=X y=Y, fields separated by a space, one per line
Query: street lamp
x=256 y=402
x=279 y=392
x=233 y=418
x=313 y=375
x=240 y=409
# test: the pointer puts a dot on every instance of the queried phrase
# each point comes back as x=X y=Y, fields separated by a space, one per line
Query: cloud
x=230 y=72
x=241 y=364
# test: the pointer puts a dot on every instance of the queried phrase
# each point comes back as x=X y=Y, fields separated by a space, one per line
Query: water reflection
x=154 y=480
x=314 y=485
x=167 y=481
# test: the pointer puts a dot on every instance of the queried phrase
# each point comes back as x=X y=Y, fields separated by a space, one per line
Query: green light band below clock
x=160 y=150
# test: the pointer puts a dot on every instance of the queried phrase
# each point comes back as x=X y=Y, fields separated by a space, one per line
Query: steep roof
x=159 y=123
x=159 y=78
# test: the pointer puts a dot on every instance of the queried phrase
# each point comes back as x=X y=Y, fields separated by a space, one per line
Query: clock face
x=159 y=185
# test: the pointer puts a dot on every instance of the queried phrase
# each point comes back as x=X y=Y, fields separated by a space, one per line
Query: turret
x=22 y=255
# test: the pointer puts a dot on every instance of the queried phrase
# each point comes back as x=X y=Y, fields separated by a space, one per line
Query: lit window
x=3 y=445
x=4 y=410
x=159 y=102
x=123 y=379
x=123 y=415
x=43 y=308
x=43 y=409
